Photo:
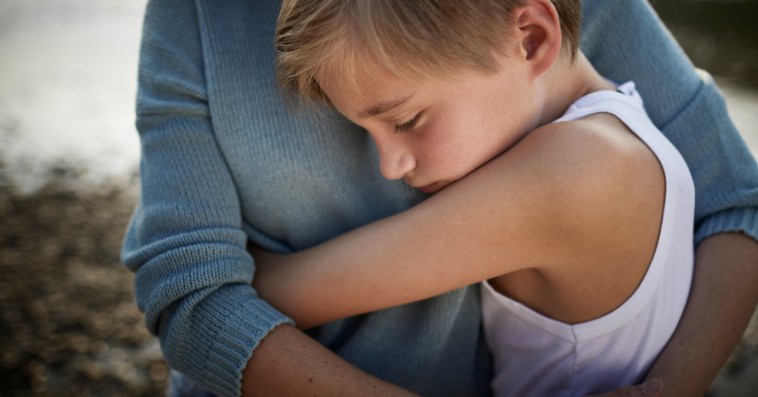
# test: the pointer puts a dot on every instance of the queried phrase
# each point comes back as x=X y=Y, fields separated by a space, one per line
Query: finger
x=651 y=388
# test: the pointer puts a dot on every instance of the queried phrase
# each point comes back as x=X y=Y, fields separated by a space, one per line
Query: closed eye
x=408 y=126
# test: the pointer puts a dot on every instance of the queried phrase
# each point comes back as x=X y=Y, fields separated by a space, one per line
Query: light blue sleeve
x=185 y=243
x=625 y=40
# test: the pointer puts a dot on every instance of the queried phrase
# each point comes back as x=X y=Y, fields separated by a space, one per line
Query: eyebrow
x=383 y=107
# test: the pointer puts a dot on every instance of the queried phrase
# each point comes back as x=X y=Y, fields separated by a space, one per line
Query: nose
x=395 y=157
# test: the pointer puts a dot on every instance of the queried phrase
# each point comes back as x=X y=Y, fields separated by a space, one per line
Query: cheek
x=450 y=146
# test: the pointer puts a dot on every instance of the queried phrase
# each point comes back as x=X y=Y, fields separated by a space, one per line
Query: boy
x=545 y=210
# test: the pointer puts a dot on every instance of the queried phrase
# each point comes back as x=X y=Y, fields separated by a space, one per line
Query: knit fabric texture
x=225 y=160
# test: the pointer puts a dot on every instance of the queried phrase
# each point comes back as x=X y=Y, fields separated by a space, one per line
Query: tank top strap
x=625 y=96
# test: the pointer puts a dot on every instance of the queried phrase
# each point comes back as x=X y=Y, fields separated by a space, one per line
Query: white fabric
x=538 y=356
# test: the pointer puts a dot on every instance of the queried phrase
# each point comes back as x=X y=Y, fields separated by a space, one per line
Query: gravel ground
x=68 y=322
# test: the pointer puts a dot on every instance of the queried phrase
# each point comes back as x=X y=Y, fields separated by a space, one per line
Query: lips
x=431 y=188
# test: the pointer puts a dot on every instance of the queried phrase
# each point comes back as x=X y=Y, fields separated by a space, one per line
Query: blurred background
x=68 y=183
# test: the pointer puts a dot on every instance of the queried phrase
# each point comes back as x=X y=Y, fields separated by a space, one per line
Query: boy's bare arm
x=546 y=201
x=721 y=301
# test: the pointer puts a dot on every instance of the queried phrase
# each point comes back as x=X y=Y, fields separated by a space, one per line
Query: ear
x=538 y=35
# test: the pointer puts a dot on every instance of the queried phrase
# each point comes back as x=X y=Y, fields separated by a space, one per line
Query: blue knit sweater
x=224 y=161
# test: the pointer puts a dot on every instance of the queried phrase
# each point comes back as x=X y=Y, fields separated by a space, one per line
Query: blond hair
x=319 y=39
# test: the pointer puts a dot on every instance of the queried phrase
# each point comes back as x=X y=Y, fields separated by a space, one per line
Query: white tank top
x=537 y=356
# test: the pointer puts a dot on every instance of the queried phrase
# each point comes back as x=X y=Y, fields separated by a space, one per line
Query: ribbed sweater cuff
x=743 y=220
x=241 y=323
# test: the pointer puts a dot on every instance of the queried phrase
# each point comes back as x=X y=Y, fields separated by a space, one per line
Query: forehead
x=368 y=89
x=358 y=84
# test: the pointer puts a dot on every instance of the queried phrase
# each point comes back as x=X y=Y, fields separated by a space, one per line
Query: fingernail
x=650 y=386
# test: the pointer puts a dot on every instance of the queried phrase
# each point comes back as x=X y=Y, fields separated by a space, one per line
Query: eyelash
x=406 y=127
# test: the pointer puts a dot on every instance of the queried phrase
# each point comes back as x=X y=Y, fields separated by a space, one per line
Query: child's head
x=389 y=64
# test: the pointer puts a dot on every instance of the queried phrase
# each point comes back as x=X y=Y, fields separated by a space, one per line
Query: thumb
x=651 y=388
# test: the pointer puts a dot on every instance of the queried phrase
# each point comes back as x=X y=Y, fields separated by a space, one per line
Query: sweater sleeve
x=185 y=243
x=625 y=40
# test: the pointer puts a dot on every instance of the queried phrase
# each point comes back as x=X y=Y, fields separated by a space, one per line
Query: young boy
x=551 y=184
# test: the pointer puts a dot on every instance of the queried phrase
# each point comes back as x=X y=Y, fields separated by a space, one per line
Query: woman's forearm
x=721 y=302
x=289 y=363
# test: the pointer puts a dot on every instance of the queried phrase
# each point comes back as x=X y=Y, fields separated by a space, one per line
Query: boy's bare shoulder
x=594 y=149
x=604 y=179
x=606 y=192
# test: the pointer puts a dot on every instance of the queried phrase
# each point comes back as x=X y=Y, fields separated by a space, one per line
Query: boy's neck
x=565 y=82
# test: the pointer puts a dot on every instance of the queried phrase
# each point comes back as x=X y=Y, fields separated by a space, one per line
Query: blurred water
x=67 y=89
x=68 y=83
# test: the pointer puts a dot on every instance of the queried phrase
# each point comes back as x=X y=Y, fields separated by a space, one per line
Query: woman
x=224 y=162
